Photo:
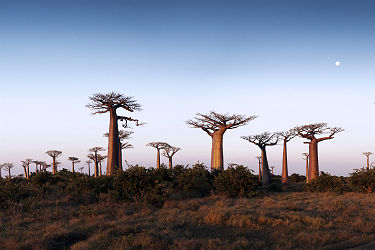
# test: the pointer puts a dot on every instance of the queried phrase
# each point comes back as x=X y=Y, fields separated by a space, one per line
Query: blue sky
x=275 y=59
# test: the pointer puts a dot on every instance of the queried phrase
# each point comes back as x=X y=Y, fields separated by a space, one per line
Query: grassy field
x=273 y=221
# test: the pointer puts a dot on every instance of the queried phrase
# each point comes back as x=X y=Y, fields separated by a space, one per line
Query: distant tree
x=262 y=141
x=101 y=158
x=307 y=166
x=109 y=103
x=169 y=152
x=26 y=167
x=74 y=160
x=286 y=136
x=54 y=154
x=158 y=146
x=259 y=158
x=272 y=167
x=80 y=169
x=44 y=166
x=94 y=156
x=367 y=154
x=1 y=166
x=88 y=162
x=8 y=166
x=215 y=125
x=310 y=132
x=36 y=166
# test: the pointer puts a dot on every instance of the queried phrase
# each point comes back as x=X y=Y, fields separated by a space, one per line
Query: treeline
x=154 y=186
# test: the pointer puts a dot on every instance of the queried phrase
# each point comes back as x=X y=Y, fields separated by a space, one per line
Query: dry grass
x=274 y=221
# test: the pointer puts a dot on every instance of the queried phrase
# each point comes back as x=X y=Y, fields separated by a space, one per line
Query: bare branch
x=103 y=103
x=264 y=139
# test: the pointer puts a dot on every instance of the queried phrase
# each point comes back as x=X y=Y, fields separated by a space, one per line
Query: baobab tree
x=158 y=146
x=101 y=158
x=36 y=166
x=307 y=166
x=1 y=166
x=80 y=169
x=110 y=103
x=74 y=160
x=215 y=125
x=259 y=158
x=310 y=132
x=88 y=162
x=367 y=154
x=94 y=157
x=26 y=167
x=286 y=136
x=54 y=154
x=169 y=152
x=262 y=141
x=8 y=166
x=123 y=135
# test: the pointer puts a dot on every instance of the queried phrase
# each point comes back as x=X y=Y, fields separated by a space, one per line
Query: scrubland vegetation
x=186 y=208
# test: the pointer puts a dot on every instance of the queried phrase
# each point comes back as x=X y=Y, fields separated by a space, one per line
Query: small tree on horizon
x=262 y=141
x=94 y=156
x=367 y=154
x=8 y=167
x=26 y=165
x=169 y=152
x=286 y=136
x=88 y=162
x=259 y=158
x=215 y=125
x=158 y=146
x=74 y=160
x=54 y=154
x=307 y=166
x=310 y=132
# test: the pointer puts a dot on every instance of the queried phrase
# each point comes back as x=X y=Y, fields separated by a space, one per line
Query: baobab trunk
x=368 y=162
x=307 y=170
x=100 y=168
x=28 y=171
x=72 y=167
x=313 y=156
x=266 y=175
x=217 y=158
x=96 y=165
x=24 y=169
x=54 y=167
x=260 y=171
x=113 y=144
x=284 y=175
x=170 y=162
x=120 y=154
x=157 y=158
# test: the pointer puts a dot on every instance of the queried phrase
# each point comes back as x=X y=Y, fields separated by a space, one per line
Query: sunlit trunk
x=170 y=162
x=113 y=145
x=217 y=158
x=313 y=155
x=72 y=166
x=284 y=174
x=25 y=170
x=54 y=167
x=100 y=168
x=157 y=158
x=96 y=164
x=260 y=171
x=307 y=170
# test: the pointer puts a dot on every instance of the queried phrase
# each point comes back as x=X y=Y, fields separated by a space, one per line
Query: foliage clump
x=327 y=183
x=363 y=180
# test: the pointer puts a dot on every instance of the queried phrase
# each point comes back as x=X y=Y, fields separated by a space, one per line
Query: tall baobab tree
x=259 y=158
x=262 y=141
x=286 y=136
x=94 y=156
x=310 y=132
x=26 y=165
x=8 y=166
x=54 y=154
x=74 y=160
x=110 y=103
x=215 y=125
x=307 y=166
x=88 y=162
x=123 y=135
x=169 y=152
x=158 y=146
x=367 y=154
x=101 y=158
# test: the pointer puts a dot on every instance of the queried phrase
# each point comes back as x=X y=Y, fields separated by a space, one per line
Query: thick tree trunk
x=9 y=173
x=307 y=170
x=157 y=158
x=72 y=167
x=170 y=162
x=96 y=169
x=54 y=167
x=368 y=162
x=113 y=147
x=284 y=174
x=266 y=175
x=313 y=156
x=217 y=158
x=36 y=168
x=25 y=170
x=260 y=171
x=28 y=171
x=120 y=155
x=100 y=168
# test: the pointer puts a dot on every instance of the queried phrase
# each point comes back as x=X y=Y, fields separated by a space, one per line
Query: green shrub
x=327 y=183
x=192 y=182
x=363 y=180
x=296 y=178
x=13 y=191
x=236 y=181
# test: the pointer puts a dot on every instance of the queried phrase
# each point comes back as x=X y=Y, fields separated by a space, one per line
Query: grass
x=275 y=221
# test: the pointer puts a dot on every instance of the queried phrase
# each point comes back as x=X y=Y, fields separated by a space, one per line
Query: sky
x=270 y=58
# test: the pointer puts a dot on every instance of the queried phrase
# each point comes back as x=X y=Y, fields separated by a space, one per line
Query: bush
x=363 y=180
x=327 y=183
x=236 y=181
x=13 y=191
x=192 y=182
x=297 y=178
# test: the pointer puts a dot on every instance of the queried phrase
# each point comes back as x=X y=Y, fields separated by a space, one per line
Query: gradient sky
x=275 y=59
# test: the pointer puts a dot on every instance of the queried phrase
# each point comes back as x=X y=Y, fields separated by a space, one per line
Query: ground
x=271 y=221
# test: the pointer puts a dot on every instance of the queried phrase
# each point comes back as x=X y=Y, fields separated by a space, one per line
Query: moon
x=338 y=63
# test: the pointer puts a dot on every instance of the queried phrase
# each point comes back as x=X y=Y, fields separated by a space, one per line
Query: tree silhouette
x=101 y=158
x=169 y=152
x=307 y=166
x=36 y=166
x=44 y=165
x=158 y=146
x=110 y=103
x=54 y=154
x=8 y=166
x=262 y=141
x=1 y=166
x=259 y=158
x=123 y=135
x=74 y=160
x=94 y=157
x=310 y=132
x=80 y=169
x=215 y=125
x=26 y=167
x=367 y=154
x=286 y=136
x=88 y=162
